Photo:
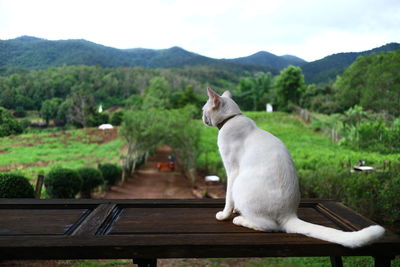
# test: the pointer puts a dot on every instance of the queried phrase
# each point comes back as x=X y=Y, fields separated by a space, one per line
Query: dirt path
x=148 y=182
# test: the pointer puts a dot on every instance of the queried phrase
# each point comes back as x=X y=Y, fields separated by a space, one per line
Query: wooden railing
x=146 y=230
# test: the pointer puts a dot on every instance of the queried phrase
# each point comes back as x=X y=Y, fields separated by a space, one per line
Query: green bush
x=91 y=178
x=8 y=123
x=25 y=123
x=323 y=183
x=388 y=197
x=373 y=194
x=20 y=112
x=15 y=186
x=98 y=119
x=62 y=183
x=111 y=173
x=116 y=118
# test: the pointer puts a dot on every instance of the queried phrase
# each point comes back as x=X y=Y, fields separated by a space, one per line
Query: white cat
x=262 y=182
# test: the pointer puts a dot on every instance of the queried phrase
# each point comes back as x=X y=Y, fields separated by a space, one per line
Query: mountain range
x=35 y=53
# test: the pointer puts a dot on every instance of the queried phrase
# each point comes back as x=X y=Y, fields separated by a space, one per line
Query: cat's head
x=218 y=108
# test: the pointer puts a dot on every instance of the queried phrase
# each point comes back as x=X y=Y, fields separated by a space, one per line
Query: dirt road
x=149 y=182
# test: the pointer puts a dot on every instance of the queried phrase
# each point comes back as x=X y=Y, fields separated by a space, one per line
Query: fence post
x=39 y=185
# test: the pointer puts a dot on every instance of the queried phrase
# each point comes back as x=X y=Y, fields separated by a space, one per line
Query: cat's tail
x=348 y=239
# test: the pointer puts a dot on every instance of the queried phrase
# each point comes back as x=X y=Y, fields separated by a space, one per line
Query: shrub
x=373 y=194
x=91 y=178
x=361 y=193
x=116 y=118
x=111 y=173
x=62 y=183
x=25 y=123
x=323 y=183
x=389 y=199
x=98 y=119
x=20 y=112
x=8 y=123
x=15 y=186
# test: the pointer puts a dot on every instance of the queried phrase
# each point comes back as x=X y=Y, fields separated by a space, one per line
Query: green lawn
x=31 y=153
x=309 y=150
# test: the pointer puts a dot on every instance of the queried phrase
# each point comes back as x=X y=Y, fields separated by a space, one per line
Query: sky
x=310 y=29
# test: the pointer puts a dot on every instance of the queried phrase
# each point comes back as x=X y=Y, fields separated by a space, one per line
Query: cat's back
x=244 y=136
x=265 y=140
x=262 y=146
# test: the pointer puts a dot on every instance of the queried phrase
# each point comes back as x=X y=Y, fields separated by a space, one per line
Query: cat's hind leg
x=242 y=221
x=259 y=224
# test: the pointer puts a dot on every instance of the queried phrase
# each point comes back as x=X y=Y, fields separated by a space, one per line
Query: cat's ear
x=215 y=98
x=227 y=94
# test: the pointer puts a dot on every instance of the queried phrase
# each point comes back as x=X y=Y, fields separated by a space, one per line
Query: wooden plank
x=189 y=220
x=96 y=218
x=38 y=221
x=313 y=214
x=172 y=220
x=345 y=215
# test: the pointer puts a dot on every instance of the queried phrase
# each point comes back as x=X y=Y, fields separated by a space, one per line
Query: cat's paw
x=242 y=221
x=222 y=215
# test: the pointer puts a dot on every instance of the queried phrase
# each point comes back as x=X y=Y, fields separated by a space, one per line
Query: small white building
x=269 y=108
x=105 y=126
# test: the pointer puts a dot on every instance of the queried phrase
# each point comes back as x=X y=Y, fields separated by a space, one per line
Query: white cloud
x=310 y=29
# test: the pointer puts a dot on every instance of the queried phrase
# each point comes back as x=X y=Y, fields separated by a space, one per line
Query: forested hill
x=35 y=53
x=326 y=69
x=268 y=59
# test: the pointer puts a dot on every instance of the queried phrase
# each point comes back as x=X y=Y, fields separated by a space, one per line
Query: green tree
x=372 y=82
x=243 y=93
x=62 y=113
x=253 y=93
x=134 y=101
x=263 y=83
x=49 y=109
x=351 y=84
x=319 y=99
x=183 y=136
x=186 y=97
x=157 y=94
x=143 y=130
x=81 y=108
x=289 y=87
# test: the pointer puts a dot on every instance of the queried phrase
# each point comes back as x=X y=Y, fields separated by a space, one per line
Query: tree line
x=27 y=91
x=71 y=94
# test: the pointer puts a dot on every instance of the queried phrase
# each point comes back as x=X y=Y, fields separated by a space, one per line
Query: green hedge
x=62 y=183
x=374 y=194
x=15 y=186
x=111 y=173
x=91 y=178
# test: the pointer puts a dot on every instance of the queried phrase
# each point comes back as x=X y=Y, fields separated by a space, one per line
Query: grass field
x=309 y=150
x=30 y=154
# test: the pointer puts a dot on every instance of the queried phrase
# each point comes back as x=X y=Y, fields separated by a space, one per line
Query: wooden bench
x=145 y=230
